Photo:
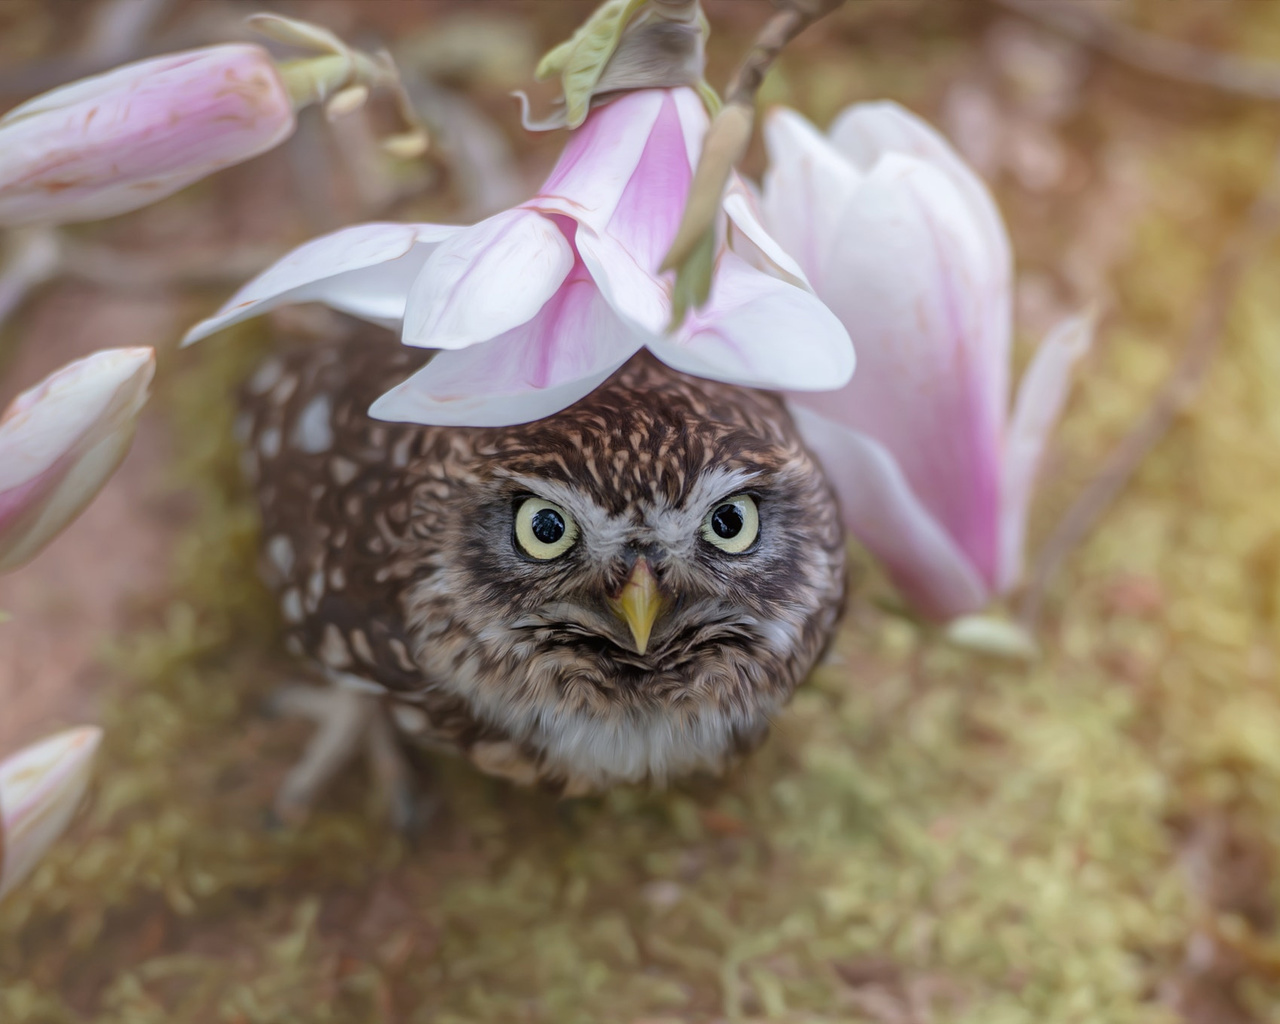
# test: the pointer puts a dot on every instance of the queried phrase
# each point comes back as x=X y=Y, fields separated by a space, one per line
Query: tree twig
x=793 y=17
x=1165 y=58
x=1258 y=227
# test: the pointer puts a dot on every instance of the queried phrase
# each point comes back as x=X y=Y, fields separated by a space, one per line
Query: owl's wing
x=334 y=508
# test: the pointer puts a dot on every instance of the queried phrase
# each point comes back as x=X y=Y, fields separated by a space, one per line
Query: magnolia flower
x=124 y=139
x=536 y=306
x=61 y=440
x=40 y=788
x=906 y=246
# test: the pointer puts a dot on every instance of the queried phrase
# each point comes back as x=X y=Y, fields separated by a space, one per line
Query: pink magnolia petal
x=865 y=132
x=487 y=280
x=601 y=157
x=364 y=270
x=760 y=331
x=625 y=174
x=649 y=209
x=1041 y=397
x=571 y=347
x=805 y=190
x=929 y=314
x=880 y=509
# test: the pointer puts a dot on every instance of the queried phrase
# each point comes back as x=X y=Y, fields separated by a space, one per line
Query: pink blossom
x=60 y=441
x=536 y=306
x=40 y=788
x=906 y=246
x=121 y=140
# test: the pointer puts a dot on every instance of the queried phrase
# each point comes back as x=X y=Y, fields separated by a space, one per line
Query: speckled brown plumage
x=391 y=549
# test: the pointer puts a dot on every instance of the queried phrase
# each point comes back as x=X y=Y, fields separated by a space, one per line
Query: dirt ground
x=931 y=835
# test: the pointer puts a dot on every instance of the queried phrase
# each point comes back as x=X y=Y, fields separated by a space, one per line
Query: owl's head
x=636 y=584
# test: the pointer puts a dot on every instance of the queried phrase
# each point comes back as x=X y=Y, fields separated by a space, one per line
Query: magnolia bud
x=61 y=440
x=121 y=140
x=40 y=788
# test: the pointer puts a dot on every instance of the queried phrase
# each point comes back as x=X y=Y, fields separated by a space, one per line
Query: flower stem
x=727 y=141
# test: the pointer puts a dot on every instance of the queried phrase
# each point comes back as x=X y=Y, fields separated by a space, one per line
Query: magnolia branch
x=725 y=144
x=1259 y=226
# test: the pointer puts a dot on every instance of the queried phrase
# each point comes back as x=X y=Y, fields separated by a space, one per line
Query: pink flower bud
x=40 y=788
x=61 y=440
x=906 y=246
x=117 y=141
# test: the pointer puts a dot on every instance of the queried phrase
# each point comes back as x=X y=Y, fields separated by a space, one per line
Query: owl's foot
x=347 y=722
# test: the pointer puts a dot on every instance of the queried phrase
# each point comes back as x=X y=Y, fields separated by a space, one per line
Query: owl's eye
x=543 y=529
x=733 y=525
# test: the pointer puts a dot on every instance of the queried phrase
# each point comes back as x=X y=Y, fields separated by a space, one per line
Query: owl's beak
x=639 y=603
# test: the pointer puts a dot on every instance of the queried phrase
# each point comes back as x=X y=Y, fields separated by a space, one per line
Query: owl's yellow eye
x=733 y=525
x=544 y=530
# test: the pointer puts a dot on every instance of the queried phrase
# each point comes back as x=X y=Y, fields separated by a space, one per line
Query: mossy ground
x=928 y=835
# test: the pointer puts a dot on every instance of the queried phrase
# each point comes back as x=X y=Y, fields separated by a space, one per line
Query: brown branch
x=1258 y=227
x=793 y=18
x=1165 y=58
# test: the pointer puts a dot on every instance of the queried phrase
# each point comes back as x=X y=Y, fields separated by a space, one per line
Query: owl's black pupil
x=548 y=525
x=727 y=521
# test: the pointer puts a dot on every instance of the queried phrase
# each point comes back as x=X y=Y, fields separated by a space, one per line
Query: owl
x=624 y=592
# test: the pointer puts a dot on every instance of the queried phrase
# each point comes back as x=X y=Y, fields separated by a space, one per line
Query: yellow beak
x=639 y=604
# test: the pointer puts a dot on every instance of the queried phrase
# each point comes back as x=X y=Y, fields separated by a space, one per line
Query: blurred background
x=930 y=835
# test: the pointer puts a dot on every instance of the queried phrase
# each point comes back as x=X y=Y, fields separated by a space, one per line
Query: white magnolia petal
x=759 y=248
x=571 y=347
x=364 y=270
x=762 y=332
x=40 y=788
x=805 y=188
x=1041 y=397
x=880 y=509
x=487 y=280
x=865 y=132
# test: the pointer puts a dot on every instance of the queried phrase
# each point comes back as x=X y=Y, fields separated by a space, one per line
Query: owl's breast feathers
x=372 y=541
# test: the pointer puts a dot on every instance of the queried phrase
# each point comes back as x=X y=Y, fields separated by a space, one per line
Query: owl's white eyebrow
x=597 y=524
x=712 y=485
x=573 y=499
x=717 y=484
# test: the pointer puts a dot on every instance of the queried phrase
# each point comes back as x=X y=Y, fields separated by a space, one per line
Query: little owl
x=626 y=591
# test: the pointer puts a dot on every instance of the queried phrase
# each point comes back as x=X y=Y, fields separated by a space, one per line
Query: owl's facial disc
x=638 y=579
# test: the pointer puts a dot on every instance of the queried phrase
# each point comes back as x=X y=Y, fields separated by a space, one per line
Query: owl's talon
x=395 y=780
x=347 y=722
